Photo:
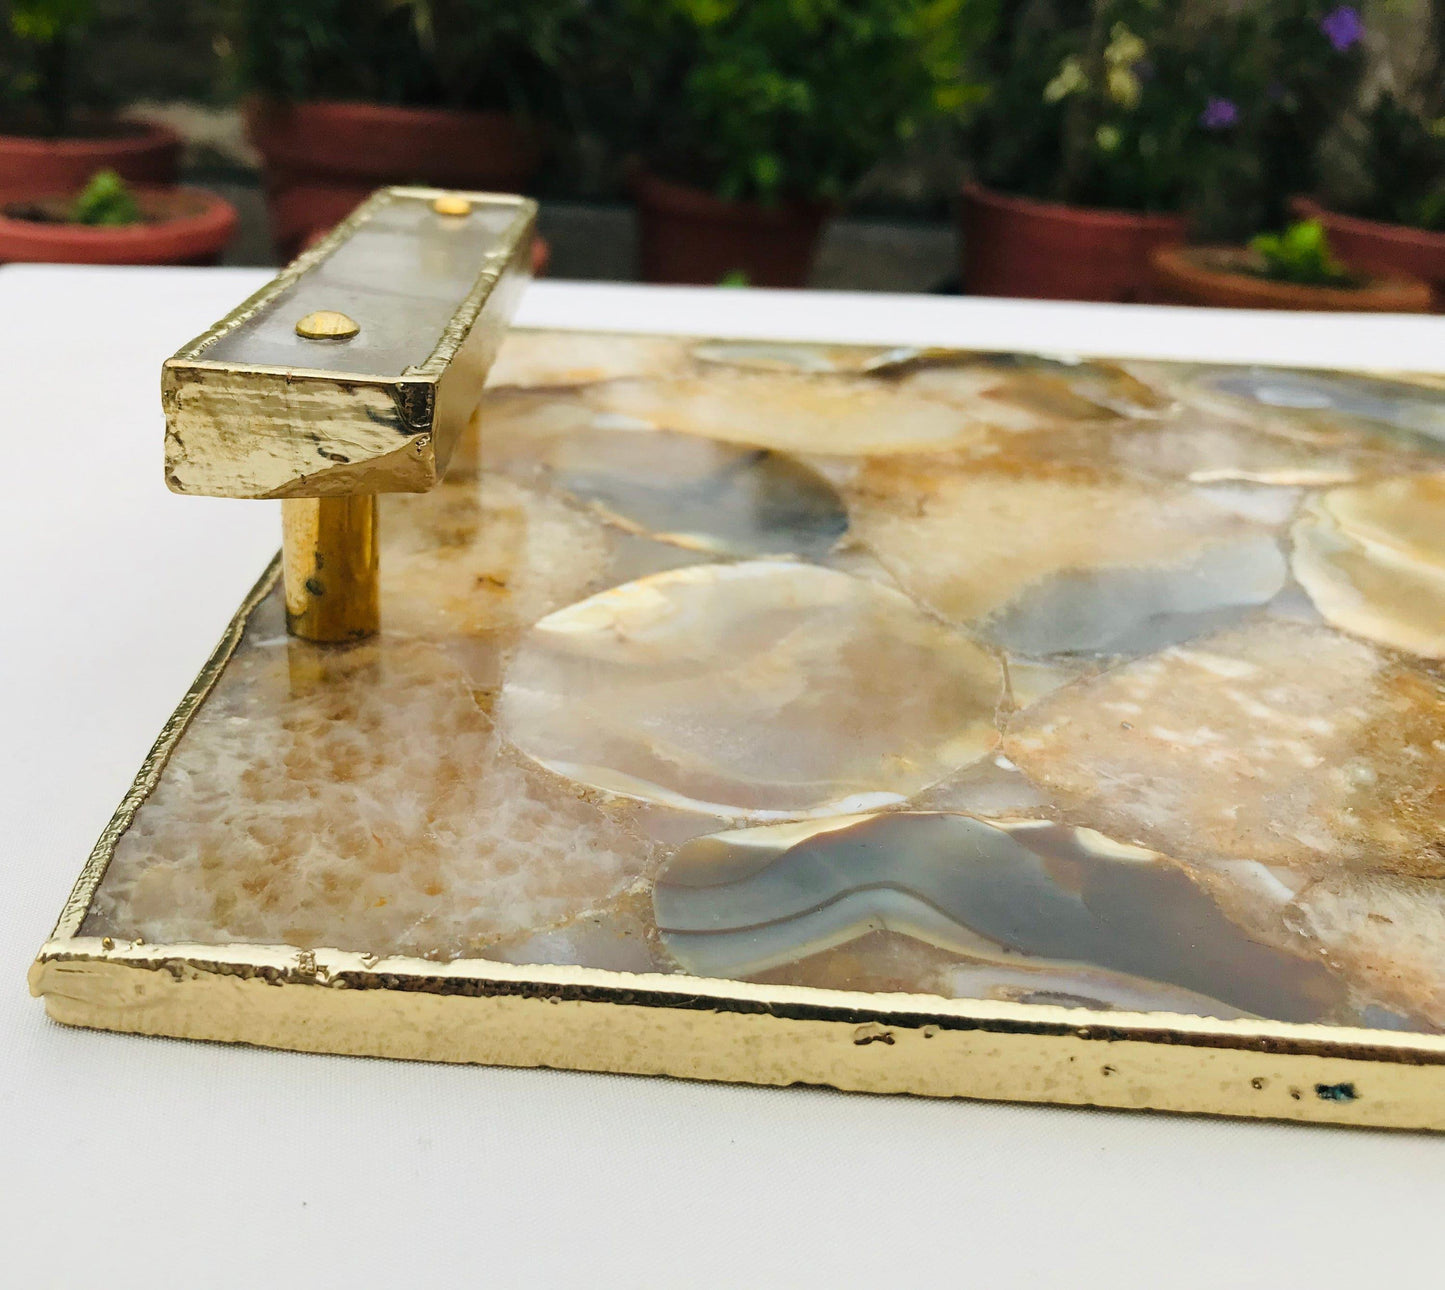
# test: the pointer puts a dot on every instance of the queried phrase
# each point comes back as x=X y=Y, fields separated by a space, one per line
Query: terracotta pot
x=322 y=158
x=138 y=151
x=1377 y=247
x=687 y=235
x=183 y=226
x=1016 y=246
x=1209 y=275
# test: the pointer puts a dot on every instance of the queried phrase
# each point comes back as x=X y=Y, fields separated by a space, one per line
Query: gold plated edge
x=77 y=904
x=514 y=242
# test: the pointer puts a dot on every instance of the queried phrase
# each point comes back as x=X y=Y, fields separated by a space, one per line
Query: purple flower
x=1219 y=114
x=1343 y=26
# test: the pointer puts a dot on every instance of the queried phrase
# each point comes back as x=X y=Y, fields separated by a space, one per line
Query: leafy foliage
x=775 y=99
x=1301 y=254
x=106 y=201
x=43 y=33
x=1157 y=106
x=1403 y=155
x=476 y=54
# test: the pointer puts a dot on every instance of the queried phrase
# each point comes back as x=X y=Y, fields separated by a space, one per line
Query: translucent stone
x=783 y=356
x=767 y=689
x=1063 y=560
x=1372 y=558
x=1275 y=742
x=696 y=493
x=1037 y=391
x=1096 y=920
x=549 y=358
x=1282 y=398
x=472 y=557
x=838 y=415
x=357 y=799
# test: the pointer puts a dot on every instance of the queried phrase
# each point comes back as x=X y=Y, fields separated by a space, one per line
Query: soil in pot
x=687 y=235
x=1390 y=250
x=178 y=226
x=1231 y=278
x=1017 y=246
x=138 y=151
x=323 y=158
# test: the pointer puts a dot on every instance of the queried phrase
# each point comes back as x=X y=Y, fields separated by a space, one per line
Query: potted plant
x=349 y=95
x=110 y=222
x=759 y=116
x=53 y=137
x=1109 y=123
x=1295 y=269
x=1387 y=211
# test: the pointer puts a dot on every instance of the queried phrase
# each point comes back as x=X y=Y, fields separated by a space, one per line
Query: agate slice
x=1372 y=559
x=697 y=493
x=550 y=358
x=759 y=690
x=1325 y=397
x=826 y=414
x=1036 y=391
x=1276 y=742
x=472 y=557
x=356 y=799
x=1055 y=560
x=1097 y=921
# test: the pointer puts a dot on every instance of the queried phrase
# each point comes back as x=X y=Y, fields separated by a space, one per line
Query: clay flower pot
x=1377 y=247
x=1224 y=276
x=182 y=226
x=141 y=153
x=322 y=158
x=1016 y=246
x=688 y=235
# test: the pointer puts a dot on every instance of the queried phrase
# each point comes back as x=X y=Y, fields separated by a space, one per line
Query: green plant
x=769 y=100
x=1402 y=158
x=105 y=201
x=1153 y=105
x=42 y=37
x=1301 y=254
x=475 y=54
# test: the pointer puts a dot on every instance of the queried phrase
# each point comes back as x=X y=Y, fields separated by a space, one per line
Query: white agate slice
x=760 y=690
x=1372 y=558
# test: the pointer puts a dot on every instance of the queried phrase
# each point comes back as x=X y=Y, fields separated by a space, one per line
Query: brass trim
x=330 y=562
x=345 y=432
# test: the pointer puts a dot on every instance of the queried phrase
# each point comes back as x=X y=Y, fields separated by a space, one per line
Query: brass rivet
x=452 y=204
x=327 y=324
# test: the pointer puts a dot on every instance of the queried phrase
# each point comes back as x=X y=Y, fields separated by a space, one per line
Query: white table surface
x=137 y=1162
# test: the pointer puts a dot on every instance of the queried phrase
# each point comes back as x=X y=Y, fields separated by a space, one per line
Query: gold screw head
x=452 y=204
x=327 y=324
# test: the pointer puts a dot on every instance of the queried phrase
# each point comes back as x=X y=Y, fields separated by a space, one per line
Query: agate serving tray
x=893 y=719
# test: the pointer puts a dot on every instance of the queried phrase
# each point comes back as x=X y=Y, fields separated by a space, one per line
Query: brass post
x=329 y=549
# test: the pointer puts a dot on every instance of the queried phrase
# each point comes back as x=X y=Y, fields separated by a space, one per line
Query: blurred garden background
x=1280 y=152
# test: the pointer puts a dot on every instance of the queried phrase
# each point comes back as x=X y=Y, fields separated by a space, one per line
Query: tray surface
x=1098 y=688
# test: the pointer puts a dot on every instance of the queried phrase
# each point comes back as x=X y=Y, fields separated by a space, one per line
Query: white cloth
x=128 y=1162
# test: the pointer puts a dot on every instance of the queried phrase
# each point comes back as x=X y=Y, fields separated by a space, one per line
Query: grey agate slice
x=1026 y=894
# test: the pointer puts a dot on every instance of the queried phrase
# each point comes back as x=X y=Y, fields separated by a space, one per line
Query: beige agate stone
x=356 y=799
x=1372 y=559
x=472 y=557
x=1275 y=742
x=768 y=689
x=839 y=415
x=1059 y=558
x=551 y=358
